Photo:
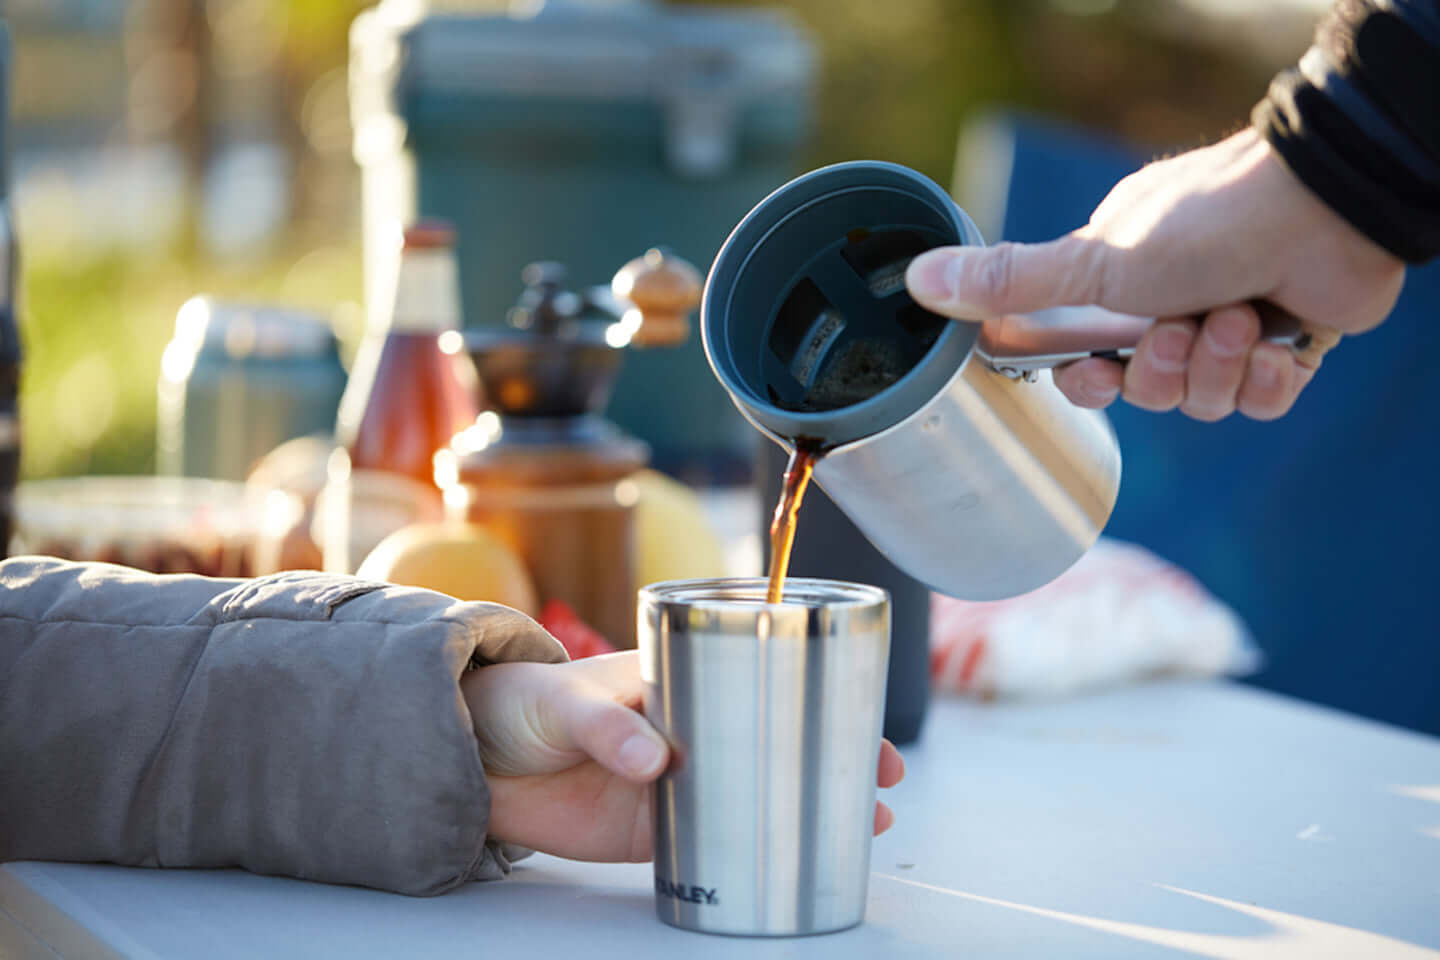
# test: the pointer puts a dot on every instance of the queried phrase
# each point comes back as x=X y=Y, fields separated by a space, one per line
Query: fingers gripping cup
x=763 y=822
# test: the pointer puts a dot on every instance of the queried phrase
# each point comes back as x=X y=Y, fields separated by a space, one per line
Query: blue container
x=237 y=381
x=584 y=133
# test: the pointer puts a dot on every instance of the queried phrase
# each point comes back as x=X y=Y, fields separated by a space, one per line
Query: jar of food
x=217 y=528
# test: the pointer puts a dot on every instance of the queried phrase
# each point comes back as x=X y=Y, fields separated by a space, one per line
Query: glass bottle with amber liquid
x=411 y=389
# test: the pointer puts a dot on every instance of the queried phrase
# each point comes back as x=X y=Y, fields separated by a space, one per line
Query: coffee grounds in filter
x=861 y=369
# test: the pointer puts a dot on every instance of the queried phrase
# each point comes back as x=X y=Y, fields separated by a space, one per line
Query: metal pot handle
x=1020 y=345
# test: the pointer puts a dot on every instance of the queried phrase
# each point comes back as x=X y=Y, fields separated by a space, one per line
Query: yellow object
x=463 y=560
x=673 y=536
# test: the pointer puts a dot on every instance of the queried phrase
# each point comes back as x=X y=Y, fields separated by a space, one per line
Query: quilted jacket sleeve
x=301 y=724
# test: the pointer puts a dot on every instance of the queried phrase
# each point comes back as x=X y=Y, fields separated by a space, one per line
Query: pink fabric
x=1121 y=613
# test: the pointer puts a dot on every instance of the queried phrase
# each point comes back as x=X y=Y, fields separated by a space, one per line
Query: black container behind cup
x=828 y=546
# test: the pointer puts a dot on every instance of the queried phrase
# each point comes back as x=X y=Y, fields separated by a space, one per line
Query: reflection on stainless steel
x=1011 y=481
x=763 y=821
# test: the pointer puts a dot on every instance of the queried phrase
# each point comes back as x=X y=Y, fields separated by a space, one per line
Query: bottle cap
x=428 y=235
x=426 y=295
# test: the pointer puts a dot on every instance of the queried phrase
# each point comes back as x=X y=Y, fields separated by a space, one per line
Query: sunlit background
x=169 y=147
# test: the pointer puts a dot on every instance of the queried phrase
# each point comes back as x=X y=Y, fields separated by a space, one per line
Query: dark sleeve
x=304 y=725
x=1358 y=121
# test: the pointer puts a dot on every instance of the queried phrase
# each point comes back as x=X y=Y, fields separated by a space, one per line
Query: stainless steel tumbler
x=763 y=821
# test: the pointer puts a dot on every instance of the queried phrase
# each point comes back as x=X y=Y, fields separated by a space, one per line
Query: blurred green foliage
x=94 y=334
x=899 y=81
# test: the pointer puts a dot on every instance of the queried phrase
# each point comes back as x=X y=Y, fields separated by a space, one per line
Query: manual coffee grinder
x=542 y=468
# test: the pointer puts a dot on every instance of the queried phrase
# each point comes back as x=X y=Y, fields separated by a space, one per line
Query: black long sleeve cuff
x=1358 y=121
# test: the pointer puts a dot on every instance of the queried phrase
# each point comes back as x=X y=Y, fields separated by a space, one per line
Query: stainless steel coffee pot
x=947 y=442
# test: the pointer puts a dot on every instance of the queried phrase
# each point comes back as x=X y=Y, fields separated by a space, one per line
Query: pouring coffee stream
x=787 y=516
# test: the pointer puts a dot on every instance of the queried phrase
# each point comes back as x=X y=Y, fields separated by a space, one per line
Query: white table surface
x=1171 y=820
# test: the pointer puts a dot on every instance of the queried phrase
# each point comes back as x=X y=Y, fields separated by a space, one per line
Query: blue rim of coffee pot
x=799 y=246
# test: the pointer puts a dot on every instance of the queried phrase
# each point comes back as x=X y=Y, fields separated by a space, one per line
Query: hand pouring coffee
x=947 y=443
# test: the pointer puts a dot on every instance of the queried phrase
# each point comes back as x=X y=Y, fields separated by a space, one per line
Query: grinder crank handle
x=651 y=299
x=658 y=292
x=1020 y=345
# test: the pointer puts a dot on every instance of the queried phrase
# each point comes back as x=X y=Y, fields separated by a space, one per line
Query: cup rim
x=749 y=592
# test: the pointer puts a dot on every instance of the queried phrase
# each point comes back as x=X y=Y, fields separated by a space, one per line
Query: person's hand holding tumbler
x=570 y=758
x=1316 y=208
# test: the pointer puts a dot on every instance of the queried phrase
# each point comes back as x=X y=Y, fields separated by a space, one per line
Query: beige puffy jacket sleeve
x=301 y=724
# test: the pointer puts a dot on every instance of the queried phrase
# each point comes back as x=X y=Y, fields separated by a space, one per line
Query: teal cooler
x=585 y=133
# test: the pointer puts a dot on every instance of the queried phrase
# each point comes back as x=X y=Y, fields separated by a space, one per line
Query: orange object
x=411 y=388
x=664 y=290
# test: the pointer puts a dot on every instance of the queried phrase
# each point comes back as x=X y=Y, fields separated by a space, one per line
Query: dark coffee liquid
x=787 y=511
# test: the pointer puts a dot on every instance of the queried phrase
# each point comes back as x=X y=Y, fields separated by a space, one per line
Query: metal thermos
x=763 y=820
x=955 y=456
x=238 y=380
